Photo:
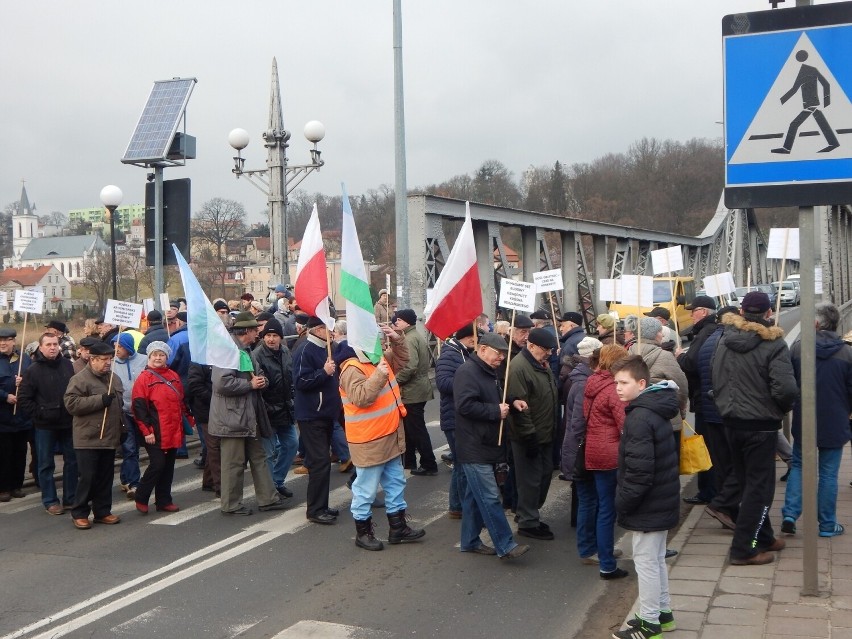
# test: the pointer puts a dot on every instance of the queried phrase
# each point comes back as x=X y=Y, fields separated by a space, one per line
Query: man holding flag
x=315 y=375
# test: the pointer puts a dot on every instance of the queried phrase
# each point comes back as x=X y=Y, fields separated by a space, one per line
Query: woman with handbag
x=604 y=414
x=160 y=413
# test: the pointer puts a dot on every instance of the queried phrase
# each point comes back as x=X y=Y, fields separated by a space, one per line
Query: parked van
x=684 y=293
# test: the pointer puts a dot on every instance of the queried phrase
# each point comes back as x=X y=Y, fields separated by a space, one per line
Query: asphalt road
x=198 y=573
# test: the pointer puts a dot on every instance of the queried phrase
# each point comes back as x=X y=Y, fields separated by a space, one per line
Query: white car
x=788 y=291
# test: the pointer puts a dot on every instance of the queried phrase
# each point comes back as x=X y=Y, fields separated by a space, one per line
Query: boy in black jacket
x=647 y=497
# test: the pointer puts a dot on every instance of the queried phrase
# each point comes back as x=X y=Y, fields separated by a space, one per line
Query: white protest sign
x=546 y=281
x=164 y=302
x=637 y=290
x=147 y=305
x=719 y=284
x=818 y=280
x=609 y=290
x=667 y=260
x=125 y=314
x=783 y=244
x=29 y=301
x=4 y=299
x=517 y=295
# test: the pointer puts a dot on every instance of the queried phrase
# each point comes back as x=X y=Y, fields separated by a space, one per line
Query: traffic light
x=176 y=214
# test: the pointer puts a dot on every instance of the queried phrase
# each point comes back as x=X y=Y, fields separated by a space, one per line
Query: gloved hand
x=532 y=448
x=106 y=398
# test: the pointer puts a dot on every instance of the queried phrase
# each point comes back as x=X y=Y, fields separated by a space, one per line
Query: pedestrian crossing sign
x=788 y=113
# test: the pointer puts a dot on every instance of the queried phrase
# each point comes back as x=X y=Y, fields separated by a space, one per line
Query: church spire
x=24 y=203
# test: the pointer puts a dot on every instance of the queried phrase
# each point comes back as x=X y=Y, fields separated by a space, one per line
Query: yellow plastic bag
x=694 y=456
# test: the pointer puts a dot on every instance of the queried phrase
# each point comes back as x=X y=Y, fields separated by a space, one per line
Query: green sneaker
x=667 y=622
x=639 y=629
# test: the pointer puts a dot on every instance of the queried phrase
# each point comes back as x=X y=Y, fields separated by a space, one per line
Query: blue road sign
x=788 y=114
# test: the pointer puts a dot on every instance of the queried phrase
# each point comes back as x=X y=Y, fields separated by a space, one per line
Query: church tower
x=24 y=225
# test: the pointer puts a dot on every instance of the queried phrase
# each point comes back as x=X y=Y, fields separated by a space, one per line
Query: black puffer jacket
x=11 y=420
x=42 y=392
x=199 y=391
x=277 y=366
x=453 y=355
x=478 y=394
x=648 y=495
x=155 y=333
x=753 y=381
x=705 y=362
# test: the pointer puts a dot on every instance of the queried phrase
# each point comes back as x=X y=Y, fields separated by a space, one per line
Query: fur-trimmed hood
x=742 y=335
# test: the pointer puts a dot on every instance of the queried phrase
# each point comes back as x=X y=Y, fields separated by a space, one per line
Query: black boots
x=364 y=537
x=399 y=530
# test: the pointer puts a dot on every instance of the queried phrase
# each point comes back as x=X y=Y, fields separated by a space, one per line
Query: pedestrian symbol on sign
x=807 y=81
x=804 y=91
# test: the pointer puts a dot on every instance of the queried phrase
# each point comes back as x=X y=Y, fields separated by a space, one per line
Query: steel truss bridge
x=588 y=251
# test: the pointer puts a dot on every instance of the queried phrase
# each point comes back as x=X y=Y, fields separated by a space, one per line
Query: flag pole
x=781 y=278
x=21 y=360
x=553 y=315
x=475 y=336
x=506 y=380
x=109 y=387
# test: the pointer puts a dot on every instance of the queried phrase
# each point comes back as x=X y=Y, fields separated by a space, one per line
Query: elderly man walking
x=479 y=413
x=238 y=418
x=531 y=431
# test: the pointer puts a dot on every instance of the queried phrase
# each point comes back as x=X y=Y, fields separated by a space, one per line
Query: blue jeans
x=604 y=482
x=45 y=440
x=458 y=483
x=483 y=507
x=587 y=518
x=130 y=474
x=339 y=445
x=392 y=478
x=829 y=466
x=281 y=451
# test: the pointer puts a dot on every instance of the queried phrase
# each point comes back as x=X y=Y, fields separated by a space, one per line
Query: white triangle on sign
x=770 y=125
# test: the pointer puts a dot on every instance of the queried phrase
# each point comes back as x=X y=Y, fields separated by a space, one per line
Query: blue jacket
x=317 y=394
x=180 y=358
x=9 y=422
x=705 y=360
x=453 y=355
x=833 y=389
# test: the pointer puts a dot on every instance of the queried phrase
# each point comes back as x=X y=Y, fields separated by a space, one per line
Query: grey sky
x=523 y=83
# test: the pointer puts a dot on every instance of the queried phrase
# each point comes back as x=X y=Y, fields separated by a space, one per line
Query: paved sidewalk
x=712 y=599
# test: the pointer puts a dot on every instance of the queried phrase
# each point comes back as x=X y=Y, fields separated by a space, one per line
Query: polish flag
x=311 y=286
x=457 y=297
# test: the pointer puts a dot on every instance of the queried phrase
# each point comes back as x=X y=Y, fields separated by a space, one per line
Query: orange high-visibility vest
x=379 y=419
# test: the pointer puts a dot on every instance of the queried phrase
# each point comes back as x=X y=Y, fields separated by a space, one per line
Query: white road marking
x=310 y=629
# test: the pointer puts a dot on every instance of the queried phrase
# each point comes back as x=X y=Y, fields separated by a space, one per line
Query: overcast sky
x=525 y=83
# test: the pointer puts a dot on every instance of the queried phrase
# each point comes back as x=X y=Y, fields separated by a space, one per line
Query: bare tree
x=218 y=221
x=97 y=276
x=55 y=218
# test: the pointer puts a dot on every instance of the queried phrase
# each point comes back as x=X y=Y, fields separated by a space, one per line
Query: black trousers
x=532 y=477
x=706 y=478
x=316 y=441
x=158 y=476
x=417 y=438
x=753 y=458
x=728 y=493
x=13 y=460
x=95 y=472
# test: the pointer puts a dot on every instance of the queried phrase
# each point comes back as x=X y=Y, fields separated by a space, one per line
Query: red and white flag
x=311 y=286
x=457 y=297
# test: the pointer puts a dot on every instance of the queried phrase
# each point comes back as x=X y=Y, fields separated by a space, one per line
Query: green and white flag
x=362 y=332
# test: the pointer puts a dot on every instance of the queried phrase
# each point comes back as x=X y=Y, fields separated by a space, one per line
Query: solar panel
x=159 y=121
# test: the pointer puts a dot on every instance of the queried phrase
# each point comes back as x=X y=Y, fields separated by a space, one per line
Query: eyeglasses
x=498 y=352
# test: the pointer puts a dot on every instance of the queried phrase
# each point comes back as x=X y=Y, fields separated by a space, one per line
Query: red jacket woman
x=604 y=421
x=158 y=409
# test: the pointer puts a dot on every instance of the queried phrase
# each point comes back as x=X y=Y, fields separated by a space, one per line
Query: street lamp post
x=111 y=197
x=278 y=179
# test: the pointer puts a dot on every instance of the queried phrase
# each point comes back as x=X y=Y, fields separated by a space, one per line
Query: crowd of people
x=516 y=407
